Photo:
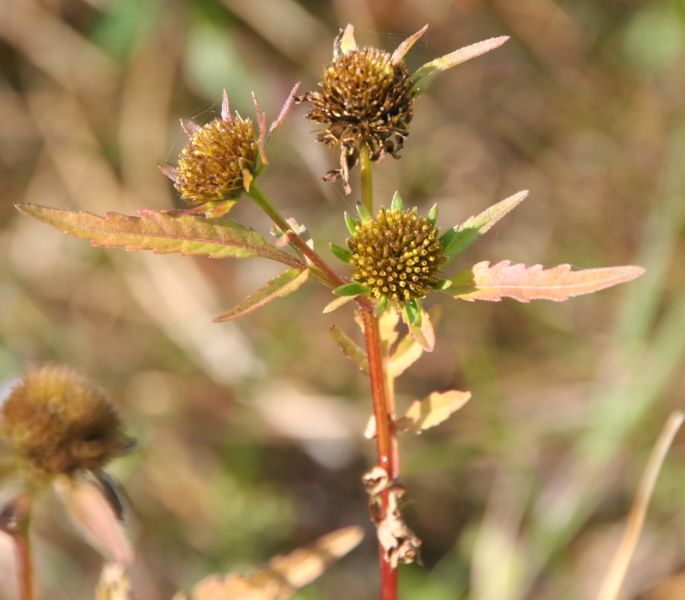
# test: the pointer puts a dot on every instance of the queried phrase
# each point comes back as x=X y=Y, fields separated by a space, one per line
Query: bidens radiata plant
x=396 y=254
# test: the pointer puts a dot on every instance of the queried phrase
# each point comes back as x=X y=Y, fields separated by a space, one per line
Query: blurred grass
x=523 y=493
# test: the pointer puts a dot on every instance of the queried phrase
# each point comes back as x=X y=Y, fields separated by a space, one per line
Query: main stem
x=385 y=436
x=22 y=547
x=383 y=407
x=386 y=444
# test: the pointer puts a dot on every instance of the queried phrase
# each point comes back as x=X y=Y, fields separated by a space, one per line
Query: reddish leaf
x=162 y=233
x=522 y=283
x=282 y=285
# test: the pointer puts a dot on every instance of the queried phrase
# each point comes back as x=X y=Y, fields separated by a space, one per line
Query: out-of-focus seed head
x=217 y=159
x=365 y=97
x=56 y=422
x=396 y=255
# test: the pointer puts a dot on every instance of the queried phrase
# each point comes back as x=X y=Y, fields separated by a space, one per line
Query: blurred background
x=250 y=433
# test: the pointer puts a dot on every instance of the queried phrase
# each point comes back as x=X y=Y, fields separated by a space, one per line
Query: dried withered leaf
x=520 y=282
x=284 y=575
x=399 y=543
x=375 y=480
x=431 y=411
x=114 y=583
x=387 y=325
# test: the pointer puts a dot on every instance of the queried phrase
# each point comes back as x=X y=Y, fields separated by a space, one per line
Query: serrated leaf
x=455 y=241
x=162 y=233
x=350 y=349
x=425 y=74
x=284 y=575
x=280 y=286
x=431 y=411
x=522 y=283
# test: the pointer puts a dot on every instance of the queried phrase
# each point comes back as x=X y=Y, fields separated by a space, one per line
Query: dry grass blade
x=284 y=575
x=611 y=585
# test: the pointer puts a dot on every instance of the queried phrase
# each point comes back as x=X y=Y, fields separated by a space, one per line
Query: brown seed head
x=211 y=167
x=364 y=98
x=55 y=421
x=396 y=255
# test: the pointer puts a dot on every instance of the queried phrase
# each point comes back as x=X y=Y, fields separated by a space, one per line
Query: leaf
x=284 y=575
x=423 y=333
x=412 y=346
x=280 y=286
x=407 y=353
x=93 y=516
x=350 y=349
x=431 y=411
x=425 y=74
x=456 y=240
x=341 y=253
x=162 y=233
x=350 y=289
x=336 y=304
x=401 y=50
x=522 y=283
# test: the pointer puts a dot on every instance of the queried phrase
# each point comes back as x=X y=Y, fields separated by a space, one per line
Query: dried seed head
x=215 y=162
x=365 y=98
x=55 y=421
x=396 y=255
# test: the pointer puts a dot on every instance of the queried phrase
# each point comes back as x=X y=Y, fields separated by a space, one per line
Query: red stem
x=24 y=563
x=385 y=435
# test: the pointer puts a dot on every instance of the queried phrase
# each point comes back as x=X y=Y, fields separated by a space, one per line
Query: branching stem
x=383 y=409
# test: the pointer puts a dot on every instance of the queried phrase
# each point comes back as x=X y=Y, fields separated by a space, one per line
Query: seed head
x=396 y=255
x=217 y=159
x=365 y=97
x=55 y=421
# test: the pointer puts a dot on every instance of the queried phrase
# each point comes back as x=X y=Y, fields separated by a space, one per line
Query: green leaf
x=380 y=307
x=280 y=286
x=424 y=76
x=455 y=241
x=505 y=280
x=162 y=233
x=350 y=223
x=364 y=213
x=350 y=289
x=350 y=349
x=397 y=203
x=432 y=215
x=342 y=253
x=413 y=309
